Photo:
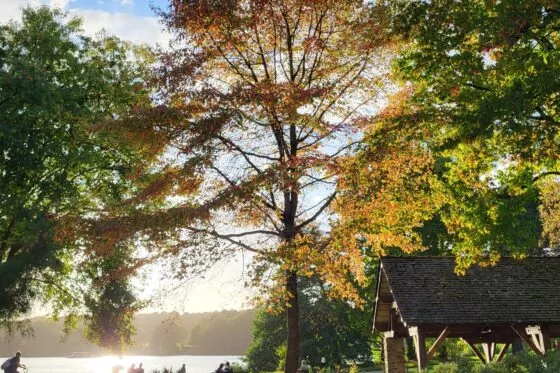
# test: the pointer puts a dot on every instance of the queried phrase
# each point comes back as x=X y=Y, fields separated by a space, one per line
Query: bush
x=240 y=368
x=281 y=352
x=446 y=368
x=524 y=363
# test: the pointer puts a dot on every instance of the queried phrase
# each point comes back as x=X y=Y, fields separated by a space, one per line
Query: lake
x=194 y=364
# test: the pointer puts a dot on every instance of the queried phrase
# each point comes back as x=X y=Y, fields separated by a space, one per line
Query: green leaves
x=57 y=89
x=480 y=93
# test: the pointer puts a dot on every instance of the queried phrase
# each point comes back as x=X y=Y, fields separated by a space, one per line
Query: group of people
x=133 y=369
x=12 y=364
x=224 y=368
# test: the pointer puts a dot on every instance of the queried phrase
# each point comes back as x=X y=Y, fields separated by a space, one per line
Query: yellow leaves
x=338 y=266
x=387 y=192
x=398 y=105
x=550 y=212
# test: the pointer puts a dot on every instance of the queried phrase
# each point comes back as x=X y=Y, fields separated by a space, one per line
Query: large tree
x=256 y=104
x=56 y=87
x=479 y=105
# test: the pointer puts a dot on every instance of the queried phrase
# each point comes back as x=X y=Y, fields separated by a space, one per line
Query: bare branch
x=544 y=174
x=229 y=237
x=317 y=213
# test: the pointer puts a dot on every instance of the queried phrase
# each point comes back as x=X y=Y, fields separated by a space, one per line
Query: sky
x=134 y=20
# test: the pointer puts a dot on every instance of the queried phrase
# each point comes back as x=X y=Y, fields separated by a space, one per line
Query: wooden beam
x=420 y=345
x=475 y=350
x=502 y=352
x=389 y=334
x=489 y=351
x=540 y=336
x=547 y=339
x=521 y=332
x=385 y=298
x=439 y=341
x=535 y=332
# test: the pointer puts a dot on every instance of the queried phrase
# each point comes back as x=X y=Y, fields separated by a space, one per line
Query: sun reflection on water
x=105 y=364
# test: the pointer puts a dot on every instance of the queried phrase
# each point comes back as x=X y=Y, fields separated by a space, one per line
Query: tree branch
x=229 y=237
x=319 y=212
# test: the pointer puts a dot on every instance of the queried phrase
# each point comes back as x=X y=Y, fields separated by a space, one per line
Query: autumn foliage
x=254 y=109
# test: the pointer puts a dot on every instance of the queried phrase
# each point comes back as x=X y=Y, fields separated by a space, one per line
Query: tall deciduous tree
x=56 y=86
x=258 y=102
x=483 y=108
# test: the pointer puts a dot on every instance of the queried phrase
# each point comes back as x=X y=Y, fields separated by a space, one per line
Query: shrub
x=240 y=368
x=524 y=363
x=446 y=368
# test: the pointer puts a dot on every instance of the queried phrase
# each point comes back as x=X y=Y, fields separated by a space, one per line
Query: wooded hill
x=212 y=333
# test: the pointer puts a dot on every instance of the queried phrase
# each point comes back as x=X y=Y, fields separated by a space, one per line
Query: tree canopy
x=56 y=88
x=478 y=103
x=257 y=102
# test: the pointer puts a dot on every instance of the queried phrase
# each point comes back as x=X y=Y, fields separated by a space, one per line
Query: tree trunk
x=292 y=348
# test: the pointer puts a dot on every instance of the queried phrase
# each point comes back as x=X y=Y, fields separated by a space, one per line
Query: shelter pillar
x=394 y=353
x=417 y=335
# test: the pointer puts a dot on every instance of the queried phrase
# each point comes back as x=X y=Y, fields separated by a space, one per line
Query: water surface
x=194 y=364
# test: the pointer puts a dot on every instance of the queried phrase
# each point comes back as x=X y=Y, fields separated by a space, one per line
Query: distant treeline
x=212 y=333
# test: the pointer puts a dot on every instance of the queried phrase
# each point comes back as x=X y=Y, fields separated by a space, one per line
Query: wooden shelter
x=422 y=297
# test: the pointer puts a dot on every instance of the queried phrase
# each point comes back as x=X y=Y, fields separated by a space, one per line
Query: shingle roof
x=427 y=290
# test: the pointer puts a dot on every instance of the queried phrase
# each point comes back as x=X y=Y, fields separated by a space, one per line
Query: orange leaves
x=171 y=180
x=398 y=105
x=311 y=255
x=268 y=95
x=284 y=99
x=387 y=191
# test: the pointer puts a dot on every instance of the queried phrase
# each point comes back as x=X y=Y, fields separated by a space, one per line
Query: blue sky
x=138 y=7
x=132 y=20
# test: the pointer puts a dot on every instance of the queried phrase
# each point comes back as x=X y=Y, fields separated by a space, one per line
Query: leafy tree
x=334 y=332
x=56 y=87
x=110 y=304
x=256 y=105
x=269 y=333
x=480 y=102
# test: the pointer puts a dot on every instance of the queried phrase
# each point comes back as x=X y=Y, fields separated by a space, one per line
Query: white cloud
x=125 y=26
x=59 y=3
x=127 y=2
x=11 y=9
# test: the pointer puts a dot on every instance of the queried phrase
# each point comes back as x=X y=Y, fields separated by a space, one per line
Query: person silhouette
x=227 y=368
x=14 y=364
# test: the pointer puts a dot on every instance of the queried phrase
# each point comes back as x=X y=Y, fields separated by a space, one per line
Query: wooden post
x=420 y=345
x=540 y=337
x=489 y=351
x=475 y=350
